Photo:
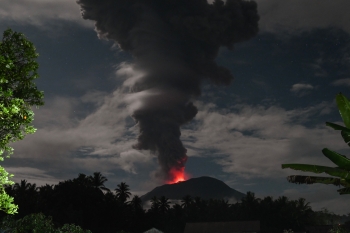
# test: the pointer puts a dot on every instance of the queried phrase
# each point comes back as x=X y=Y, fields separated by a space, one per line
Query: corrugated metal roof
x=153 y=230
x=223 y=227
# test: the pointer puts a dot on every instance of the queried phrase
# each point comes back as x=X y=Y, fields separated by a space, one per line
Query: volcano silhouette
x=204 y=187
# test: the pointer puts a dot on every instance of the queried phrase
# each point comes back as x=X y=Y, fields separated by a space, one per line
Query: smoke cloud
x=174 y=44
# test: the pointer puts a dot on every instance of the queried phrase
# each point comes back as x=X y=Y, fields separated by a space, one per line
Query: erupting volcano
x=177 y=175
x=174 y=44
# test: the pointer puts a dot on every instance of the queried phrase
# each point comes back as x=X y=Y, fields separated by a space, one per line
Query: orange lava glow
x=177 y=175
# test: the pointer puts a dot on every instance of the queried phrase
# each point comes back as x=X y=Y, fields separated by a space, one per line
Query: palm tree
x=98 y=180
x=164 y=204
x=26 y=197
x=155 y=204
x=136 y=203
x=186 y=201
x=177 y=210
x=122 y=192
x=83 y=180
x=46 y=188
x=303 y=211
x=24 y=187
x=343 y=163
x=302 y=206
x=282 y=202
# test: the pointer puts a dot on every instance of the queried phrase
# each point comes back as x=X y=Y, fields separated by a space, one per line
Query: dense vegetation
x=86 y=202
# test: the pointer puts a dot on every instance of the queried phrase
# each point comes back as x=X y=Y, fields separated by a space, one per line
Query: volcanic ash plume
x=174 y=44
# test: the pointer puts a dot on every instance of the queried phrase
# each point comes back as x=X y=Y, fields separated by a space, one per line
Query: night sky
x=274 y=112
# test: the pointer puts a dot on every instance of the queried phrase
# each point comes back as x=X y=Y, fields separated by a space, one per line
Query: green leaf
x=333 y=171
x=337 y=127
x=340 y=160
x=344 y=108
x=346 y=136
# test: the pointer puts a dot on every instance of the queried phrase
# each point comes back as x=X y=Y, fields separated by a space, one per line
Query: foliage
x=18 y=92
x=6 y=201
x=338 y=229
x=37 y=223
x=71 y=228
x=343 y=163
x=122 y=192
x=80 y=202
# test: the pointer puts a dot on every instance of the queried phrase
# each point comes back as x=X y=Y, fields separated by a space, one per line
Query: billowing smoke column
x=174 y=44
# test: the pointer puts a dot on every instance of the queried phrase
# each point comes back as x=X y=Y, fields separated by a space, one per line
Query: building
x=153 y=230
x=223 y=227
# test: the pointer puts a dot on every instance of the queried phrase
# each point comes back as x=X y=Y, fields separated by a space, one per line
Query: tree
x=155 y=204
x=26 y=196
x=83 y=180
x=122 y=192
x=136 y=203
x=343 y=163
x=98 y=180
x=164 y=204
x=38 y=222
x=18 y=93
x=186 y=201
x=6 y=201
x=23 y=187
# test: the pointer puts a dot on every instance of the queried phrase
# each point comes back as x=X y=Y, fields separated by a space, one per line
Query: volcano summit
x=204 y=187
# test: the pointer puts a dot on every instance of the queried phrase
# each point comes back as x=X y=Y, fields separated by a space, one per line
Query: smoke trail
x=174 y=44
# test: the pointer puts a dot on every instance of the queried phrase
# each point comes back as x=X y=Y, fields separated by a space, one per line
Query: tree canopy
x=18 y=92
x=77 y=201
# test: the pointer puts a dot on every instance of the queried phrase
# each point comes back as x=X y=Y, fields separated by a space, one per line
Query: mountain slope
x=204 y=187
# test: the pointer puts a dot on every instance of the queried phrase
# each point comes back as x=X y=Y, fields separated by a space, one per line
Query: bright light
x=177 y=175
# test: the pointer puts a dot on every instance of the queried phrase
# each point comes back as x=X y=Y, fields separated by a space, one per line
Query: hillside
x=204 y=187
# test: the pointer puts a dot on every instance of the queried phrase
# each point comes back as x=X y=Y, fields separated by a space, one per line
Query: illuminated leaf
x=340 y=160
x=344 y=108
x=333 y=171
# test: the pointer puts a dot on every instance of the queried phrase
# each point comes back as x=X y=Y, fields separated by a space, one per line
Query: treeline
x=86 y=202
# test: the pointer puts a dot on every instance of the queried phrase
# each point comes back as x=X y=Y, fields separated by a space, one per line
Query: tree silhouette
x=302 y=211
x=249 y=206
x=186 y=201
x=22 y=187
x=155 y=204
x=26 y=197
x=122 y=192
x=45 y=197
x=98 y=180
x=78 y=201
x=83 y=180
x=136 y=203
x=164 y=205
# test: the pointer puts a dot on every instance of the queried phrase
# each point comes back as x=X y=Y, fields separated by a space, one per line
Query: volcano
x=204 y=187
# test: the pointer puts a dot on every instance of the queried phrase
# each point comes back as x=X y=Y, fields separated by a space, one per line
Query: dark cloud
x=174 y=44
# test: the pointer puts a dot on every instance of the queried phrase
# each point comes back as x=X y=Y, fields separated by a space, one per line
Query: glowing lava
x=177 y=175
